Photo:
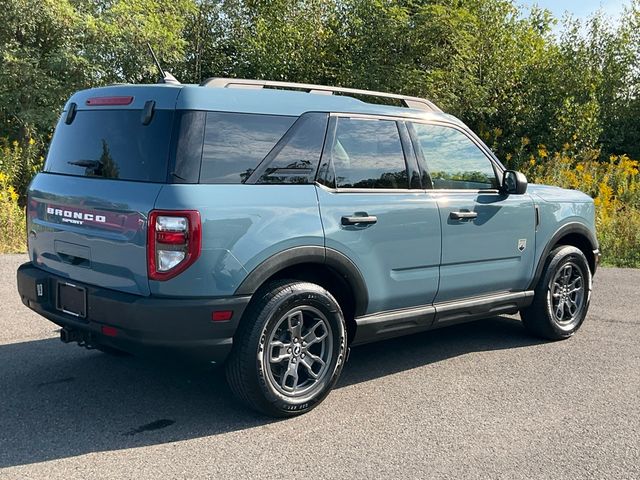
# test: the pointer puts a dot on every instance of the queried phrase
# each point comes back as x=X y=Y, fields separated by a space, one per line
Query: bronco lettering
x=75 y=216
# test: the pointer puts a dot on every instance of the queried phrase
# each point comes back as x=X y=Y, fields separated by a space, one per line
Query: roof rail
x=409 y=102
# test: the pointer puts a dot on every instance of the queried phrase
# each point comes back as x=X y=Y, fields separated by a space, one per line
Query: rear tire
x=561 y=297
x=289 y=350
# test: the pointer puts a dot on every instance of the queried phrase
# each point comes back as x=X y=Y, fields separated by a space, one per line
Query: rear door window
x=235 y=143
x=367 y=153
x=112 y=144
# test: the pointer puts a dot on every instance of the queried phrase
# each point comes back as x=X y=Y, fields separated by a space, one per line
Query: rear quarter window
x=235 y=143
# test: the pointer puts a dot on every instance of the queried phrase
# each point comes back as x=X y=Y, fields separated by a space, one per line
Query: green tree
x=41 y=62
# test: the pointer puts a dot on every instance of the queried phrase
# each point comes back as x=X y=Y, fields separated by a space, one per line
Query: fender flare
x=334 y=259
x=569 y=228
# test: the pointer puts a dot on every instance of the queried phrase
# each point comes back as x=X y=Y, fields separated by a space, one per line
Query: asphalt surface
x=480 y=400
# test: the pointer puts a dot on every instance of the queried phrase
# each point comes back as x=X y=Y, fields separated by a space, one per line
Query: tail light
x=174 y=240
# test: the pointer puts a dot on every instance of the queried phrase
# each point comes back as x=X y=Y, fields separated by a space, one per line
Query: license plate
x=72 y=299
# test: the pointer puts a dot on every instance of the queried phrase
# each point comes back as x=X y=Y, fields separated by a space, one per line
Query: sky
x=580 y=8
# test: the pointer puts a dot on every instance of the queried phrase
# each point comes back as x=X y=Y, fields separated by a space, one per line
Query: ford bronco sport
x=271 y=226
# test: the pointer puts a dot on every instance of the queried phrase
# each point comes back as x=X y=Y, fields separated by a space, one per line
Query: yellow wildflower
x=12 y=193
x=542 y=151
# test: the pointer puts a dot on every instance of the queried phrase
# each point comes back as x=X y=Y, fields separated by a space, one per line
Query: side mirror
x=514 y=182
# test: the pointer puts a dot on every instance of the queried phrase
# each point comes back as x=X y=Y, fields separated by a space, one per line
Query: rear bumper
x=143 y=324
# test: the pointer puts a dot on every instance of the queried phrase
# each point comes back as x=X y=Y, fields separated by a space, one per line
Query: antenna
x=155 y=59
x=165 y=77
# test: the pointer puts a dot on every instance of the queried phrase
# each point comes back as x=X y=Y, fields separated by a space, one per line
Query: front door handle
x=359 y=220
x=462 y=215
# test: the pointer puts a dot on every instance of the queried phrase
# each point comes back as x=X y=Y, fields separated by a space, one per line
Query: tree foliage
x=512 y=75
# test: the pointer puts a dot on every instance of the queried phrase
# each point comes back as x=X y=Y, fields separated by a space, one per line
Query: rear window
x=112 y=144
x=235 y=143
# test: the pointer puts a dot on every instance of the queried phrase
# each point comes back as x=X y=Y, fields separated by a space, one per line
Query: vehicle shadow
x=60 y=401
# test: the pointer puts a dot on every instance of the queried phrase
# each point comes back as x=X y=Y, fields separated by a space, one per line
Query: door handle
x=462 y=215
x=359 y=220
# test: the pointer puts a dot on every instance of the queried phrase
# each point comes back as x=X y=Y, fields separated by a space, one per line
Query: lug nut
x=302 y=355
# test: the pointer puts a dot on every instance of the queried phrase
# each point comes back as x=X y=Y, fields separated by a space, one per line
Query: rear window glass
x=235 y=143
x=112 y=144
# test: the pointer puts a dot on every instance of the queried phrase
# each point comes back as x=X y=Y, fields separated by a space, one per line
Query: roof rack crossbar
x=407 y=101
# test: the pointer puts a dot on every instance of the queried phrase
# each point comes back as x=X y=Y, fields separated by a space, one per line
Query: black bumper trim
x=144 y=324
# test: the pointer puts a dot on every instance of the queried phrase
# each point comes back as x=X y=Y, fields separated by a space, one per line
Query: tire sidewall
x=557 y=260
x=270 y=316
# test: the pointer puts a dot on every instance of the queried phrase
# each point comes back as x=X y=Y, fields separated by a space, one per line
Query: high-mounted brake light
x=102 y=101
x=174 y=240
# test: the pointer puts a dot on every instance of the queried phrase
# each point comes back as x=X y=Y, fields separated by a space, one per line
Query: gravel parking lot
x=481 y=400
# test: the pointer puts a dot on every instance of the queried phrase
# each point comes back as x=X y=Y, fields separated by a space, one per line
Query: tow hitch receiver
x=83 y=339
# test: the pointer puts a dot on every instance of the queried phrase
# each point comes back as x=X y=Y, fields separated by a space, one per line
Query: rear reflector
x=171 y=238
x=98 y=101
x=109 y=331
x=222 y=315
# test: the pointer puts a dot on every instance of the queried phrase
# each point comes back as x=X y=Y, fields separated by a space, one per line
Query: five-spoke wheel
x=567 y=293
x=289 y=349
x=561 y=297
x=298 y=350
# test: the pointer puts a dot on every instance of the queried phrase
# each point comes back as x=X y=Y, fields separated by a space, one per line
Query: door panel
x=489 y=253
x=367 y=173
x=487 y=236
x=398 y=255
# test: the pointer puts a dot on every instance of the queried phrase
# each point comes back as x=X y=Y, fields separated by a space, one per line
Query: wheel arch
x=574 y=234
x=326 y=267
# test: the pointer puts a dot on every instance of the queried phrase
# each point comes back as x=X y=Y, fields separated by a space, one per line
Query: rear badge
x=522 y=244
x=39 y=289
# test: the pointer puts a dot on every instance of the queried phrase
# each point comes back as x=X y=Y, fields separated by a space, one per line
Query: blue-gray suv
x=270 y=226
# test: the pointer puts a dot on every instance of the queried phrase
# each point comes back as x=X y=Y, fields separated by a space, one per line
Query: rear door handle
x=462 y=215
x=359 y=220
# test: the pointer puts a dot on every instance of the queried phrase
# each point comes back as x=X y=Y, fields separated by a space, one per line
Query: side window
x=368 y=154
x=453 y=160
x=235 y=143
x=295 y=158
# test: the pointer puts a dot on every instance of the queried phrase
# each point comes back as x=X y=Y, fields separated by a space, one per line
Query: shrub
x=615 y=188
x=19 y=163
x=12 y=219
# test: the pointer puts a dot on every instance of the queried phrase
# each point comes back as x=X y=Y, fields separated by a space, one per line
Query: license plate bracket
x=71 y=299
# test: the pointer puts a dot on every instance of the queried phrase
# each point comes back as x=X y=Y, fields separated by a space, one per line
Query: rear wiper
x=87 y=163
x=94 y=168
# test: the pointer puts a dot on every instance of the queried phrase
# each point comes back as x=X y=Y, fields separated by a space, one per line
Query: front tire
x=562 y=296
x=289 y=349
